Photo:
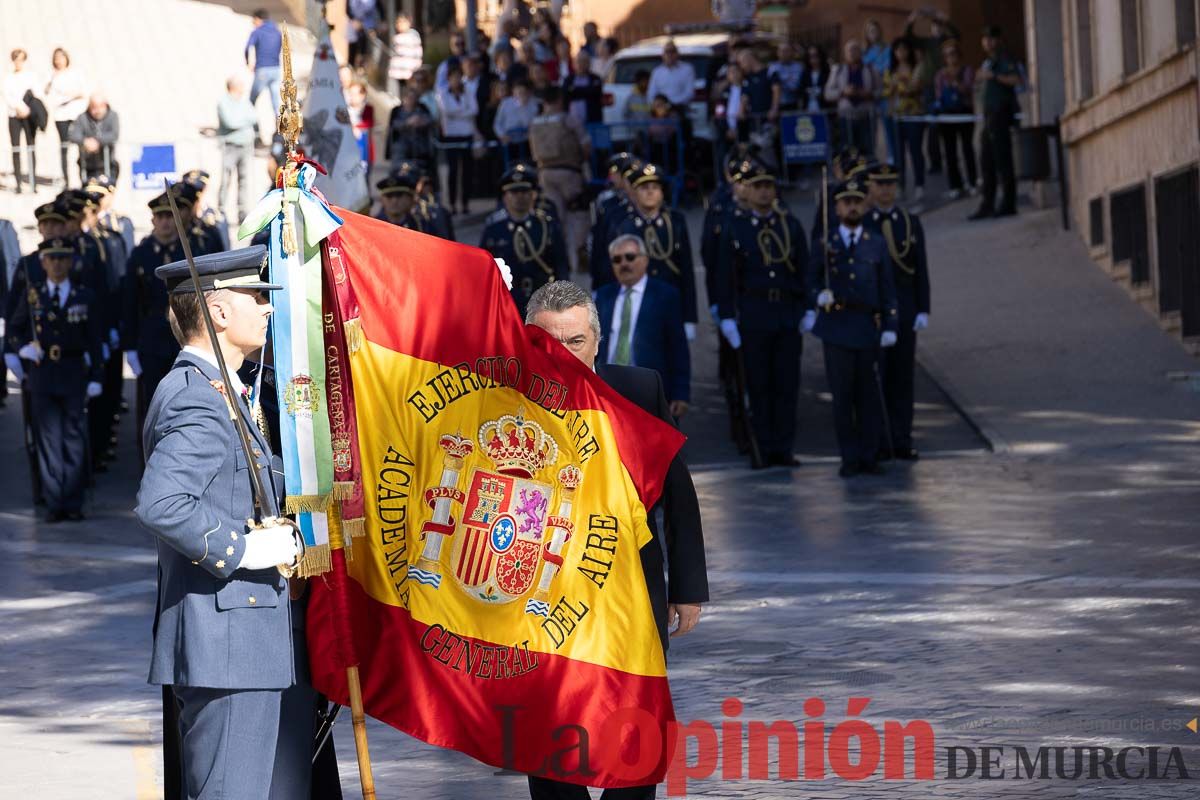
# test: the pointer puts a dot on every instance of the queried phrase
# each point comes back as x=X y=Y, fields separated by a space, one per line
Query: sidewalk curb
x=975 y=418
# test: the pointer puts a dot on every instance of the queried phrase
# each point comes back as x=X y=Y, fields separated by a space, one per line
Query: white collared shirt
x=846 y=233
x=63 y=289
x=207 y=356
x=638 y=291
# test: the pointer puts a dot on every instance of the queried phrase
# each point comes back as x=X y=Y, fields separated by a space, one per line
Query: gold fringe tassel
x=343 y=490
x=317 y=559
x=354 y=334
x=354 y=528
x=306 y=504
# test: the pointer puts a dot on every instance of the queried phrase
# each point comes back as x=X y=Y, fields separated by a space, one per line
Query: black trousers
x=898 y=364
x=857 y=414
x=62 y=126
x=458 y=171
x=961 y=134
x=773 y=383
x=17 y=128
x=60 y=432
x=546 y=789
x=997 y=162
x=35 y=473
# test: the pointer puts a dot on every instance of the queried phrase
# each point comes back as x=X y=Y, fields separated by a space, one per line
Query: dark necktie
x=57 y=296
x=853 y=242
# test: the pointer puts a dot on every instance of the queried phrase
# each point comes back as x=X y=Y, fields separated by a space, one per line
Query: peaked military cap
x=76 y=199
x=160 y=203
x=233 y=269
x=635 y=166
x=849 y=189
x=49 y=212
x=185 y=193
x=757 y=172
x=397 y=183
x=414 y=168
x=883 y=173
x=197 y=178
x=56 y=246
x=649 y=173
x=619 y=162
x=68 y=209
x=520 y=177
x=99 y=183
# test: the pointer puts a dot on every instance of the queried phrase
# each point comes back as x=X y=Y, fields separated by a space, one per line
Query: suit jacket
x=659 y=342
x=683 y=539
x=217 y=626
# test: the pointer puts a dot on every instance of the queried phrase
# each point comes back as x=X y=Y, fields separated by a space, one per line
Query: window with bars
x=1085 y=86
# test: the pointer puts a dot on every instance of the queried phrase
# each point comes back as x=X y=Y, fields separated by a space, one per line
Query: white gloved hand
x=729 y=330
x=888 y=339
x=31 y=352
x=94 y=389
x=135 y=363
x=825 y=298
x=689 y=330
x=13 y=362
x=810 y=319
x=505 y=272
x=114 y=338
x=712 y=311
x=269 y=547
x=921 y=322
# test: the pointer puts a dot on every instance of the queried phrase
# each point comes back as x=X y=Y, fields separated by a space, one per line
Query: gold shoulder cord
x=768 y=237
x=525 y=249
x=654 y=245
x=899 y=255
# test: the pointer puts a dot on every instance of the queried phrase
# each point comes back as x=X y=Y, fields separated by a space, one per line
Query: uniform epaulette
x=499 y=215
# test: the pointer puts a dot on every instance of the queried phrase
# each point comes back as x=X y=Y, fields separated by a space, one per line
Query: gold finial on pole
x=290 y=122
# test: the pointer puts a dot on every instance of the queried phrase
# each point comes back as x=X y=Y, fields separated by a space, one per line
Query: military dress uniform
x=864 y=304
x=534 y=247
x=208 y=217
x=762 y=266
x=668 y=245
x=901 y=231
x=61 y=326
x=227 y=638
x=435 y=218
x=203 y=237
x=401 y=183
x=612 y=208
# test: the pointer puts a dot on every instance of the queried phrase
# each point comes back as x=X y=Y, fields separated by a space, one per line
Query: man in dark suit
x=568 y=314
x=644 y=323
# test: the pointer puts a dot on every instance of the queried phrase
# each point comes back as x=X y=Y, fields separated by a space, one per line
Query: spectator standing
x=855 y=86
x=953 y=90
x=545 y=50
x=638 y=104
x=266 y=41
x=96 y=132
x=813 y=80
x=478 y=82
x=20 y=87
x=999 y=79
x=787 y=72
x=513 y=119
x=676 y=80
x=457 y=110
x=903 y=90
x=560 y=148
x=426 y=94
x=458 y=49
x=732 y=110
x=584 y=91
x=236 y=129
x=362 y=121
x=362 y=17
x=410 y=131
x=606 y=50
x=591 y=39
x=506 y=70
x=408 y=53
x=941 y=30
x=66 y=99
x=878 y=54
x=506 y=37
x=662 y=135
x=539 y=80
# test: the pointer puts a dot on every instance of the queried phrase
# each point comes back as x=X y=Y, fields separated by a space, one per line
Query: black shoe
x=982 y=213
x=871 y=468
x=1006 y=211
x=907 y=454
x=847 y=470
x=783 y=460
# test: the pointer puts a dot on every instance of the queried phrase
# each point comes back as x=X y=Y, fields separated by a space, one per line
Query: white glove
x=94 y=389
x=689 y=330
x=887 y=339
x=135 y=363
x=505 y=272
x=269 y=547
x=921 y=322
x=13 y=362
x=712 y=310
x=810 y=319
x=729 y=330
x=114 y=338
x=825 y=298
x=31 y=352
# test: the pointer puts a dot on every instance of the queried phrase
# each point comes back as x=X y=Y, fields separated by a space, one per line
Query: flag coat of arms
x=496 y=603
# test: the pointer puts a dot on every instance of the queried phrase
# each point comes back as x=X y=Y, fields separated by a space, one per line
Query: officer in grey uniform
x=228 y=638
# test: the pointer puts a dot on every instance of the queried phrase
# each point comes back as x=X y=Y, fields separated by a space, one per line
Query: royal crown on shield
x=516 y=445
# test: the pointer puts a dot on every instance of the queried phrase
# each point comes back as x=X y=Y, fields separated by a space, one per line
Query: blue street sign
x=805 y=138
x=151 y=164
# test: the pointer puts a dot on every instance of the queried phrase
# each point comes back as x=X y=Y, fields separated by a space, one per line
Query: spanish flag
x=496 y=603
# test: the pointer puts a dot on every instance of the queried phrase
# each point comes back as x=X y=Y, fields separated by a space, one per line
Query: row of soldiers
x=86 y=297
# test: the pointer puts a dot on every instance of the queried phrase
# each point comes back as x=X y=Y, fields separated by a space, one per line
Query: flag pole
x=289 y=124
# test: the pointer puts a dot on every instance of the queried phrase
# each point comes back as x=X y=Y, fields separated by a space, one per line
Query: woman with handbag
x=20 y=87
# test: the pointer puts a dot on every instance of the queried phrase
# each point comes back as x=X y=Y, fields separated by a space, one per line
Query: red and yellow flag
x=496 y=604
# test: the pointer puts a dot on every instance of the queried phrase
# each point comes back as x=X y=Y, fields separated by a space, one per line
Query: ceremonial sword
x=239 y=422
